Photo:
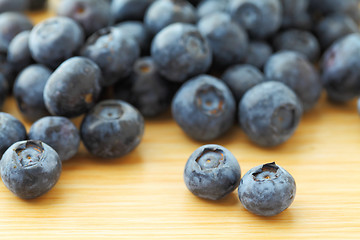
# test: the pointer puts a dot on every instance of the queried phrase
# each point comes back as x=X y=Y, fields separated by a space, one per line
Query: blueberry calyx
x=267 y=172
x=210 y=158
x=283 y=118
x=210 y=100
x=29 y=153
x=110 y=111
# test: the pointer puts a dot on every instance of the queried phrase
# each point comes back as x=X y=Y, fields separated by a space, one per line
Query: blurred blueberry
x=113 y=51
x=59 y=133
x=341 y=69
x=54 y=40
x=165 y=12
x=181 y=52
x=240 y=78
x=227 y=40
x=11 y=131
x=92 y=15
x=261 y=18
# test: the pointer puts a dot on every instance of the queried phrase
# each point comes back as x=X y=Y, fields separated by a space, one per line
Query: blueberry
x=30 y=169
x=92 y=15
x=181 y=52
x=29 y=90
x=18 y=52
x=267 y=190
x=240 y=78
x=258 y=53
x=228 y=41
x=340 y=69
x=123 y=10
x=7 y=69
x=261 y=18
x=295 y=14
x=148 y=91
x=212 y=172
x=112 y=129
x=113 y=52
x=300 y=41
x=4 y=88
x=138 y=31
x=73 y=88
x=207 y=7
x=165 y=12
x=326 y=7
x=204 y=108
x=334 y=27
x=13 y=5
x=11 y=131
x=59 y=133
x=54 y=40
x=296 y=72
x=269 y=113
x=12 y=23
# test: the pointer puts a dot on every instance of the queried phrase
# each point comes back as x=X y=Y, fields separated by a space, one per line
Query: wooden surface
x=143 y=194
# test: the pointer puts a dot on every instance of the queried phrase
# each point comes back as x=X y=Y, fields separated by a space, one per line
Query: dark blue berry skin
x=59 y=133
x=73 y=88
x=113 y=51
x=4 y=88
x=296 y=72
x=147 y=91
x=334 y=27
x=299 y=41
x=29 y=90
x=124 y=10
x=267 y=190
x=295 y=14
x=18 y=52
x=30 y=169
x=212 y=172
x=181 y=52
x=228 y=41
x=207 y=7
x=240 y=78
x=54 y=40
x=138 y=31
x=204 y=108
x=13 y=5
x=11 y=131
x=8 y=70
x=261 y=18
x=165 y=12
x=258 y=53
x=112 y=129
x=340 y=68
x=92 y=15
x=326 y=7
x=269 y=113
x=12 y=23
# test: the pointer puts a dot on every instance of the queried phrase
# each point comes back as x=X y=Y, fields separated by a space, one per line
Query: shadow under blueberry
x=229 y=200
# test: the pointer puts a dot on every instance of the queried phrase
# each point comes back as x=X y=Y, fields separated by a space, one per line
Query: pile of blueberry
x=213 y=62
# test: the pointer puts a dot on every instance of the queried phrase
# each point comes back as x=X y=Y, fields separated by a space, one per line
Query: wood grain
x=143 y=196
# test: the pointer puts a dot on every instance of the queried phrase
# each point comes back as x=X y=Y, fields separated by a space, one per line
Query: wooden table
x=143 y=194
